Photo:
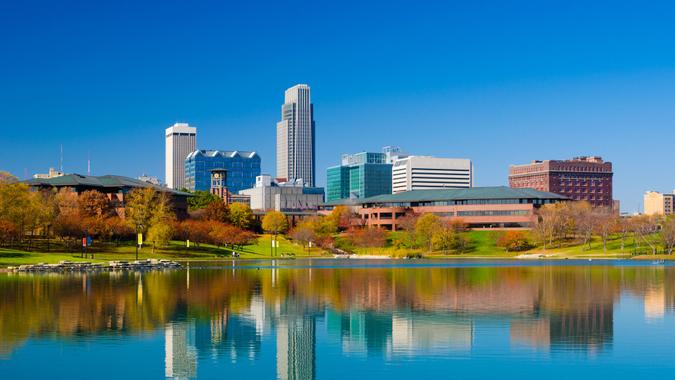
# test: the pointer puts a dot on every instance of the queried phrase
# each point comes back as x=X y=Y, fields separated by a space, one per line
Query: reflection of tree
x=577 y=302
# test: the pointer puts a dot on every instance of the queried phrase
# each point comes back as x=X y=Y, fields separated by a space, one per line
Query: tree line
x=577 y=223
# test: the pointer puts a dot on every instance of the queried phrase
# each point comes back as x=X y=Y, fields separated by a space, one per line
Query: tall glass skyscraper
x=242 y=168
x=295 y=136
x=360 y=175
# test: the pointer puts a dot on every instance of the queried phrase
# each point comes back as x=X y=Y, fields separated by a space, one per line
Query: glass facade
x=361 y=175
x=242 y=168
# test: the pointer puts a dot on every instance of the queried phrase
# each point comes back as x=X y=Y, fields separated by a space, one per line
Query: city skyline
x=452 y=80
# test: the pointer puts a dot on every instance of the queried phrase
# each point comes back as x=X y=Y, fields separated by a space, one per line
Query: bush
x=514 y=241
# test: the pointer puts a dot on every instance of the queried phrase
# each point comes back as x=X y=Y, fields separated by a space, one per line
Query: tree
x=368 y=237
x=514 y=241
x=342 y=217
x=275 y=223
x=645 y=227
x=139 y=208
x=443 y=239
x=225 y=234
x=161 y=222
x=218 y=212
x=304 y=233
x=240 y=215
x=7 y=178
x=21 y=207
x=93 y=203
x=605 y=223
x=427 y=225
x=668 y=234
x=196 y=231
x=585 y=221
x=201 y=199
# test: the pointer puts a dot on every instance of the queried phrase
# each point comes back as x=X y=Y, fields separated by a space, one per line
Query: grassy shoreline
x=483 y=247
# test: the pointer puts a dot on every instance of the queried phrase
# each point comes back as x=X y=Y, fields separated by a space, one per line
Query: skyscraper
x=295 y=136
x=181 y=140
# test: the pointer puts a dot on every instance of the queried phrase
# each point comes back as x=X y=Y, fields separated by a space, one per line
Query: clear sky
x=500 y=82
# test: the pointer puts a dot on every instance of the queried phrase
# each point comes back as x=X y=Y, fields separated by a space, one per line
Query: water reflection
x=386 y=313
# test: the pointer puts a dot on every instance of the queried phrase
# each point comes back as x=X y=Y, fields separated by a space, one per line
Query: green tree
x=240 y=215
x=275 y=223
x=200 y=199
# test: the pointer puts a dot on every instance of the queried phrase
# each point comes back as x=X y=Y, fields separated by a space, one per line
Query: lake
x=344 y=319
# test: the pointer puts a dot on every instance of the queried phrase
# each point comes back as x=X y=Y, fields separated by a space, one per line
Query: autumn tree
x=7 y=178
x=94 y=204
x=275 y=222
x=240 y=215
x=139 y=207
x=304 y=233
x=372 y=237
x=426 y=226
x=218 y=212
x=645 y=228
x=20 y=207
x=668 y=234
x=514 y=241
x=196 y=231
x=161 y=221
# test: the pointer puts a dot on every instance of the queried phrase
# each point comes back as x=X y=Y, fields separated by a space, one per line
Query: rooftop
x=104 y=181
x=494 y=192
x=222 y=153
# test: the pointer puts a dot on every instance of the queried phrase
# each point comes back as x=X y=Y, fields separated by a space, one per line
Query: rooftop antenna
x=88 y=163
x=61 y=159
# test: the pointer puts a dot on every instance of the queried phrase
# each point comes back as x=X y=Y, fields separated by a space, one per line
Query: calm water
x=344 y=320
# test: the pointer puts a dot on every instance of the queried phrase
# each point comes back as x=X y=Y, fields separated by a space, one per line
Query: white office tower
x=181 y=140
x=426 y=173
x=295 y=136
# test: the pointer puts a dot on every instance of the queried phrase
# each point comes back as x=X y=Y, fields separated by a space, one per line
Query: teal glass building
x=360 y=175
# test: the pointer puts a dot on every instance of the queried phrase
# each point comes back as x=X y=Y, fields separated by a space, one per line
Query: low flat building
x=285 y=196
x=428 y=173
x=477 y=207
x=656 y=203
x=53 y=173
x=581 y=178
x=114 y=187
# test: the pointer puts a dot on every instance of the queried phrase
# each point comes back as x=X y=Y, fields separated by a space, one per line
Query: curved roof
x=222 y=153
x=104 y=181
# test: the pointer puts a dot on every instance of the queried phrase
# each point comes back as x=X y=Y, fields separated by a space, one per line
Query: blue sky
x=498 y=82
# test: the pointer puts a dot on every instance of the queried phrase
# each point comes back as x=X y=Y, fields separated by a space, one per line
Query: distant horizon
x=496 y=83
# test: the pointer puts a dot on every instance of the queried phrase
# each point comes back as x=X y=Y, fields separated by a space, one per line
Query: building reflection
x=180 y=352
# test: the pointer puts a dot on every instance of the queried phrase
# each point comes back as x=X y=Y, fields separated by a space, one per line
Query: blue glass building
x=361 y=175
x=242 y=168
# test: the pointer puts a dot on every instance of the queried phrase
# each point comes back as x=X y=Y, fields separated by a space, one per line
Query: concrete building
x=426 y=173
x=360 y=175
x=295 y=136
x=181 y=140
x=242 y=169
x=581 y=178
x=286 y=196
x=477 y=207
x=656 y=203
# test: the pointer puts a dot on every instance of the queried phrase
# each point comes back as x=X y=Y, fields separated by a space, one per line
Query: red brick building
x=581 y=178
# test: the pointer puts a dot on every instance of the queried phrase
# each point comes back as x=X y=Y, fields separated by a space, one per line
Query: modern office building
x=581 y=178
x=181 y=140
x=285 y=196
x=477 y=207
x=426 y=173
x=295 y=136
x=242 y=168
x=360 y=175
x=656 y=203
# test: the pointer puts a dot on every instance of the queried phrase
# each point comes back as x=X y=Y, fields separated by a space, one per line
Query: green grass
x=175 y=251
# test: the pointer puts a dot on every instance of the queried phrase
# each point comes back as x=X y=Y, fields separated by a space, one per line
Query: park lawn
x=176 y=250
